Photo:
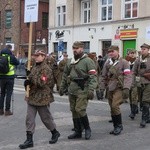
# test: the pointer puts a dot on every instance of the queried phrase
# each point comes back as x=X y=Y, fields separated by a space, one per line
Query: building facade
x=9 y=23
x=98 y=23
x=14 y=31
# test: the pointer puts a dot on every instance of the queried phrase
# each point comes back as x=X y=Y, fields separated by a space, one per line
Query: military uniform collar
x=73 y=61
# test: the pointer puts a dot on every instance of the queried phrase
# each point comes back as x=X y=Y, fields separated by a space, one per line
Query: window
x=44 y=20
x=61 y=16
x=8 y=19
x=131 y=8
x=105 y=47
x=106 y=10
x=8 y=40
x=86 y=11
x=86 y=46
x=55 y=44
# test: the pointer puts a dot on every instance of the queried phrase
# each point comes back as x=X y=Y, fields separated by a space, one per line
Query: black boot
x=55 y=136
x=77 y=129
x=29 y=141
x=114 y=124
x=148 y=120
x=87 y=128
x=145 y=116
x=82 y=128
x=98 y=95
x=134 y=111
x=117 y=121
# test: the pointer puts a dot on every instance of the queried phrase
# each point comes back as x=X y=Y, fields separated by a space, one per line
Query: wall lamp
x=102 y=28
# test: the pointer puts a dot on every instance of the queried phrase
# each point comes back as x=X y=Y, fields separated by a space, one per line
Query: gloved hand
x=28 y=72
x=125 y=93
x=61 y=92
x=90 y=94
x=27 y=82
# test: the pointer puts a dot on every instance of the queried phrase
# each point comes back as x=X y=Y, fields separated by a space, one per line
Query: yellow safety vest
x=11 y=68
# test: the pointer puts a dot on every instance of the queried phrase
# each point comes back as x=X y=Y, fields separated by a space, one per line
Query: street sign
x=31 y=11
x=60 y=46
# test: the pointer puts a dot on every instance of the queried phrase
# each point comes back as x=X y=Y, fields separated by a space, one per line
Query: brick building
x=9 y=23
x=13 y=29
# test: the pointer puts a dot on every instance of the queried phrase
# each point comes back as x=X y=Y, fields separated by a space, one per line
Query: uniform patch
x=44 y=78
x=93 y=71
x=127 y=71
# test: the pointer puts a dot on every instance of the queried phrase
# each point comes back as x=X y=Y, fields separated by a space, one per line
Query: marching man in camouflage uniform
x=40 y=82
x=81 y=77
x=141 y=70
x=117 y=76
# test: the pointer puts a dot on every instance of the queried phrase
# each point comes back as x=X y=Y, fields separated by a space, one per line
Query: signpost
x=30 y=16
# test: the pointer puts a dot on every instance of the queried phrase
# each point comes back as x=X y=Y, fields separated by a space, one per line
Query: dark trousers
x=7 y=86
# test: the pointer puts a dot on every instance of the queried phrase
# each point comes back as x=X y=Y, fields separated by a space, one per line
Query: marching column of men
x=80 y=77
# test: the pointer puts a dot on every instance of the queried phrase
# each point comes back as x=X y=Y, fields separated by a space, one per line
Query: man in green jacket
x=80 y=77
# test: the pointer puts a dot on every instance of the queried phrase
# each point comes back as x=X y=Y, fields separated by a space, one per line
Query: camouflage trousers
x=115 y=100
x=78 y=105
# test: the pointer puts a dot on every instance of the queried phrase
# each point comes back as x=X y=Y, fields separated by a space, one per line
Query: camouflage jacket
x=86 y=68
x=41 y=78
x=116 y=75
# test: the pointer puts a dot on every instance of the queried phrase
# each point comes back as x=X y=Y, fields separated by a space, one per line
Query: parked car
x=21 y=69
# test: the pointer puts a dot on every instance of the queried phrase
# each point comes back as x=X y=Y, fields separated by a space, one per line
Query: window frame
x=8 y=40
x=87 y=10
x=45 y=17
x=131 y=2
x=8 y=19
x=61 y=15
x=107 y=5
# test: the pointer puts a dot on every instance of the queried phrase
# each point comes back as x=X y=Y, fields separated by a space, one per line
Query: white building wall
x=100 y=31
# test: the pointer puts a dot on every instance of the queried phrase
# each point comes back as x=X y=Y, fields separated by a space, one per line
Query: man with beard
x=81 y=78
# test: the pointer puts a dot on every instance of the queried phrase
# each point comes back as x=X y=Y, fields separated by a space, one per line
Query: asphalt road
x=13 y=132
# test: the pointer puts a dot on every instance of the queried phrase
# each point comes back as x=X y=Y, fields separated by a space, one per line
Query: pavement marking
x=19 y=89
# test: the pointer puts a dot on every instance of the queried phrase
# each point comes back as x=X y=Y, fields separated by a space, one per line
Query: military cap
x=131 y=51
x=91 y=55
x=113 y=47
x=145 y=46
x=39 y=52
x=78 y=44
